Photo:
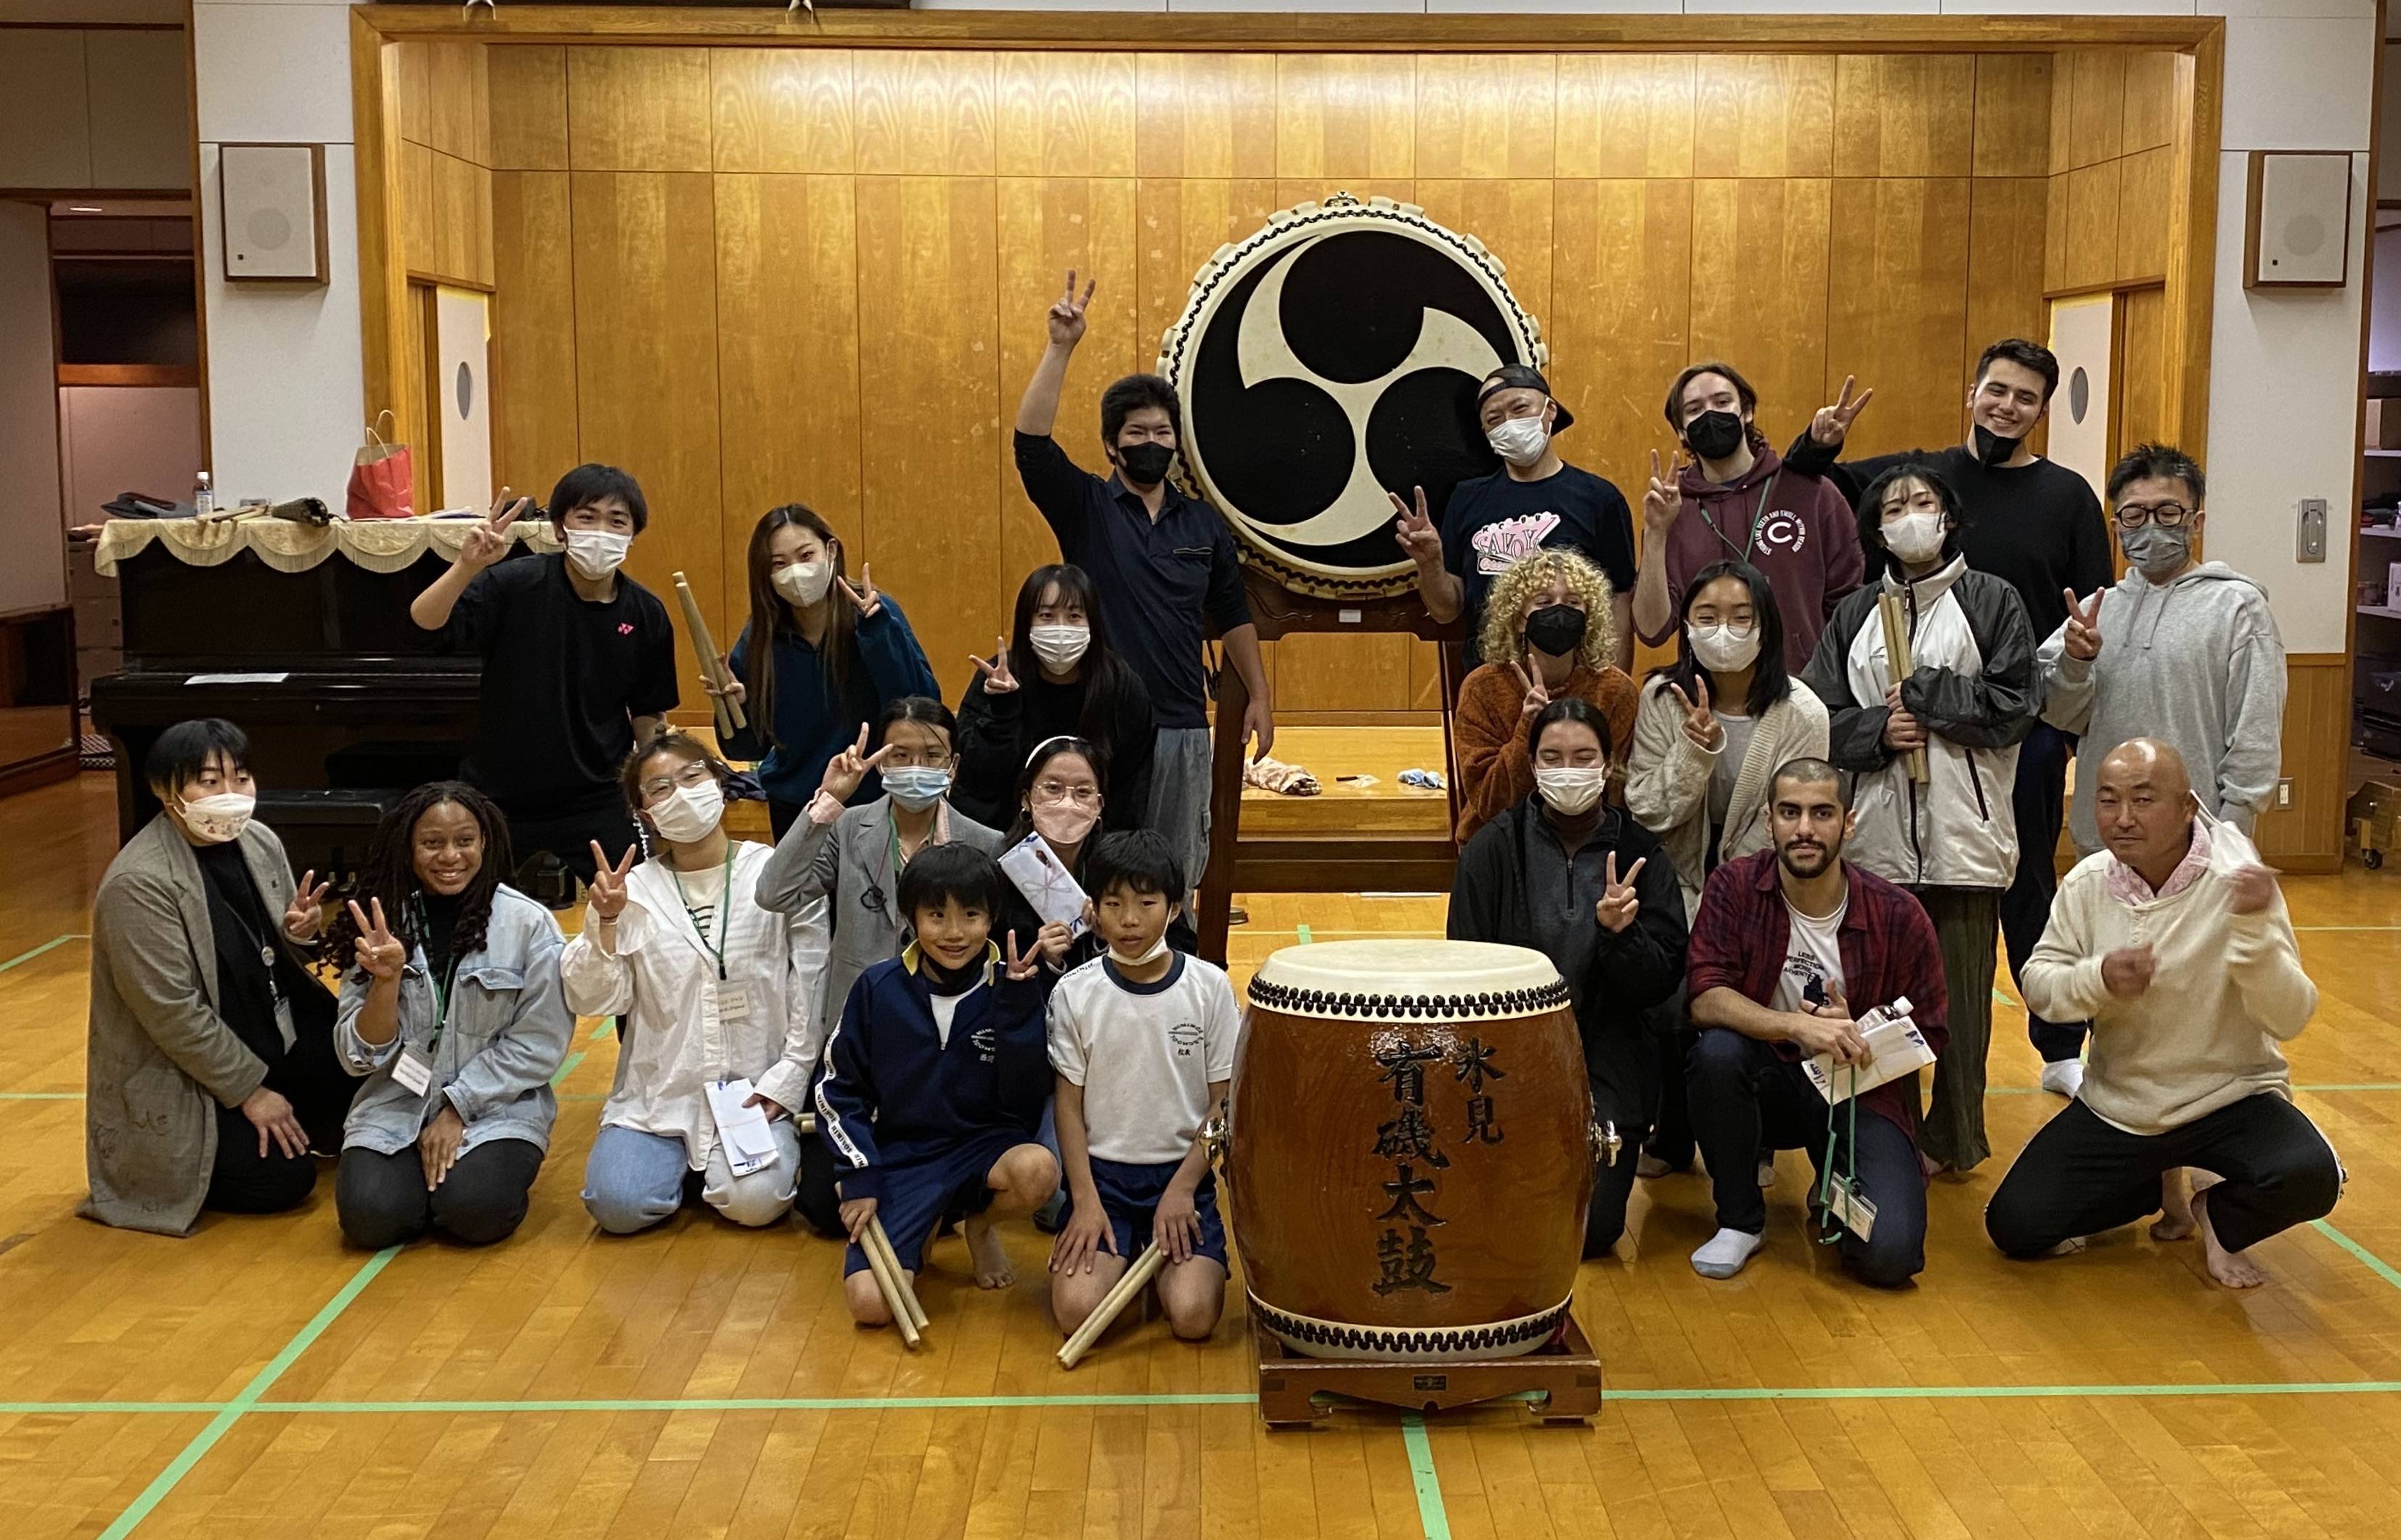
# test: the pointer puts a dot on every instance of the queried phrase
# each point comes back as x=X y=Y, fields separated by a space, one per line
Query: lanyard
x=725 y=910
x=1758 y=516
x=444 y=986
x=1826 y=1175
x=266 y=951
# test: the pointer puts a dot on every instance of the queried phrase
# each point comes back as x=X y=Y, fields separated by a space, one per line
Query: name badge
x=732 y=1002
x=1849 y=1207
x=414 y=1071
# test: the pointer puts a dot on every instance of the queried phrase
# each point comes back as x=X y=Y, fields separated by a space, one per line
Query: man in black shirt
x=1535 y=500
x=2036 y=524
x=1160 y=563
x=578 y=664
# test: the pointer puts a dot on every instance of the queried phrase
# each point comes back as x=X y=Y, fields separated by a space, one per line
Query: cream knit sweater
x=2227 y=989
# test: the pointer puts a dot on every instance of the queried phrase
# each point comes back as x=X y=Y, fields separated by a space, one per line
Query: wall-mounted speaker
x=2297 y=234
x=272 y=203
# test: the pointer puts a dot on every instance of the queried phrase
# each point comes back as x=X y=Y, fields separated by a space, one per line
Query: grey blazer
x=160 y=1060
x=849 y=862
x=507 y=1036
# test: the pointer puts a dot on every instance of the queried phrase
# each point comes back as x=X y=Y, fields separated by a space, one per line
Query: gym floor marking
x=48 y=945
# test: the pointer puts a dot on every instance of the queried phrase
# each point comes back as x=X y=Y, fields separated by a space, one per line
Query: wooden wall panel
x=2091 y=241
x=2144 y=189
x=528 y=95
x=1901 y=249
x=2013 y=116
x=1620 y=318
x=637 y=109
x=1623 y=115
x=929 y=491
x=1342 y=118
x=1486 y=115
x=781 y=110
x=1064 y=115
x=1764 y=114
x=646 y=373
x=2309 y=835
x=1205 y=114
x=2004 y=266
x=2148 y=119
x=922 y=111
x=2141 y=370
x=2096 y=108
x=1898 y=115
x=790 y=405
x=1760 y=253
x=1182 y=222
x=534 y=433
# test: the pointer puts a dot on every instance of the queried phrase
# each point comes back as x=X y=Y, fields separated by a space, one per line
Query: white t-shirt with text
x=1814 y=952
x=1145 y=1054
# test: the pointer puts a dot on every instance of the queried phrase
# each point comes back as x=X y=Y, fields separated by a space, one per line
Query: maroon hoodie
x=1806 y=542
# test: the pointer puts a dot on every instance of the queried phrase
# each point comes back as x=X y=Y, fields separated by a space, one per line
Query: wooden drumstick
x=730 y=718
x=1137 y=1277
x=1896 y=654
x=887 y=1283
x=882 y=1241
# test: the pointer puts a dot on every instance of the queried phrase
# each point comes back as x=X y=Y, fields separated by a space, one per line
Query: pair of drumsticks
x=900 y=1299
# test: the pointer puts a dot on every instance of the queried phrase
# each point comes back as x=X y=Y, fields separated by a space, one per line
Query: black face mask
x=945 y=980
x=1557 y=629
x=1145 y=463
x=1992 y=448
x=1714 y=435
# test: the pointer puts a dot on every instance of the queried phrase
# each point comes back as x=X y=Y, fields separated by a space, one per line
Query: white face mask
x=1130 y=959
x=1723 y=649
x=1059 y=647
x=1521 y=440
x=596 y=553
x=220 y=818
x=690 y=812
x=804 y=581
x=1914 y=537
x=1570 y=790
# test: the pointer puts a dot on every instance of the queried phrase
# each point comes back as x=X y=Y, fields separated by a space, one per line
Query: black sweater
x=997 y=732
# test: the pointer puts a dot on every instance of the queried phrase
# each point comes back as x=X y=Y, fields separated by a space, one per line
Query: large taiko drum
x=1410 y=1157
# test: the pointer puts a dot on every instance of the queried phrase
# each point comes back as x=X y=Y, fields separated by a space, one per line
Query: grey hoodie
x=2197 y=664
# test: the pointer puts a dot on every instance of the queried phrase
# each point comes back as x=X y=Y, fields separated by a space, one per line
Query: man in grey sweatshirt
x=2181 y=651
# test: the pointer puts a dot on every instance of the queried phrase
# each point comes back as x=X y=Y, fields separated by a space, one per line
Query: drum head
x=1367 y=977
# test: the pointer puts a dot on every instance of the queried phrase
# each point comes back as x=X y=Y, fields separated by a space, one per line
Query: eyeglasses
x=697 y=773
x=1059 y=792
x=2167 y=516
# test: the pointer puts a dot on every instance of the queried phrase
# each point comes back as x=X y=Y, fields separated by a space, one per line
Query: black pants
x=2040 y=800
x=1612 y=1185
x=813 y=1197
x=381 y=1200
x=1745 y=1099
x=2080 y=1175
x=1671 y=1129
x=568 y=833
x=311 y=1078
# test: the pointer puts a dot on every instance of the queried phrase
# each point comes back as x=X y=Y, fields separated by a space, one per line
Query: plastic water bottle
x=204 y=497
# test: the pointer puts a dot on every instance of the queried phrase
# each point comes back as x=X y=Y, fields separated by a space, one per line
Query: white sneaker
x=1724 y=1253
x=2063 y=1077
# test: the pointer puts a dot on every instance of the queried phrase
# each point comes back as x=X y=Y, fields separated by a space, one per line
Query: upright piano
x=346 y=703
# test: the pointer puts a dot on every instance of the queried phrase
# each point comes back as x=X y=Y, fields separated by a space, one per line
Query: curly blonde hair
x=1503 y=638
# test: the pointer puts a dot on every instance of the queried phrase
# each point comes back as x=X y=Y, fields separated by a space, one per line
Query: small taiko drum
x=1410 y=1150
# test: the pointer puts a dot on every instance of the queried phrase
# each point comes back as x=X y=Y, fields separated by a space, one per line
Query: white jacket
x=1667 y=779
x=1974 y=686
x=661 y=979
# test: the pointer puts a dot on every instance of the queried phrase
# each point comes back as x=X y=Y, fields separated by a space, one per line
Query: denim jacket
x=508 y=1032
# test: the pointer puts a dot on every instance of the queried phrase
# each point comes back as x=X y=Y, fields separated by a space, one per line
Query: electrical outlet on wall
x=2311 y=542
x=2284 y=792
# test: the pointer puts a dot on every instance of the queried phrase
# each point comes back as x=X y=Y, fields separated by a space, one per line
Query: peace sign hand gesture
x=305 y=914
x=380 y=954
x=1020 y=969
x=1529 y=676
x=1665 y=497
x=488 y=540
x=1421 y=541
x=846 y=770
x=1618 y=904
x=864 y=595
x=1701 y=724
x=607 y=891
x=1832 y=424
x=2083 y=638
x=998 y=680
x=1067 y=312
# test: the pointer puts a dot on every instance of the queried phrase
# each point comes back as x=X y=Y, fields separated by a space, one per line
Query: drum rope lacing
x=1320 y=1002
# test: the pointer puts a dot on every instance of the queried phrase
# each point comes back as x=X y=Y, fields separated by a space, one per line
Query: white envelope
x=1053 y=890
x=1899 y=1047
x=749 y=1143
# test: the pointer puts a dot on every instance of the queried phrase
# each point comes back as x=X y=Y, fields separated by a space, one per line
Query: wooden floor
x=259 y=1379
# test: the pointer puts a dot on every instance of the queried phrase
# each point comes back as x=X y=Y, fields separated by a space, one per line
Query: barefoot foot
x=2230 y=1268
x=2068 y=1247
x=2176 y=1203
x=992 y=1269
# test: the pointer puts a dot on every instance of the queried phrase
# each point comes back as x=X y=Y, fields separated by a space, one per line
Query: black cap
x=1516 y=377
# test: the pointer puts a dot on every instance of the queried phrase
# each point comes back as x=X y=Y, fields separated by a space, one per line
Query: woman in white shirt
x=710 y=988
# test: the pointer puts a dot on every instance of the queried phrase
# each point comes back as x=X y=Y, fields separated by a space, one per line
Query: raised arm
x=1038 y=410
x=1444 y=595
x=1663 y=503
x=485 y=544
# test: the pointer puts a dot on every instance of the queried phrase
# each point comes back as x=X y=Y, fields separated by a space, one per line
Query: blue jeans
x=633 y=1179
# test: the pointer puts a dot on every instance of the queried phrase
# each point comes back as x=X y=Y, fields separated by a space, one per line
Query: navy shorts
x=1129 y=1197
x=922 y=1188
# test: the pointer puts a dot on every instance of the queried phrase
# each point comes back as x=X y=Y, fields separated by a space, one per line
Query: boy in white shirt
x=1143 y=1042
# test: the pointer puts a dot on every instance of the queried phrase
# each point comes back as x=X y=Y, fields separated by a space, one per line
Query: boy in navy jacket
x=935 y=1080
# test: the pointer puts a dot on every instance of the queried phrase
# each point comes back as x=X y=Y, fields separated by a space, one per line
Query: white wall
x=35 y=572
x=126 y=439
x=285 y=393
x=284 y=370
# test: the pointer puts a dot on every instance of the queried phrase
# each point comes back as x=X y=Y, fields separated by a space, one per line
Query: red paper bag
x=382 y=484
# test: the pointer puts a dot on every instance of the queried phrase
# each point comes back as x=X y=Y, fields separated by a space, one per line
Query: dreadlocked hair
x=390 y=873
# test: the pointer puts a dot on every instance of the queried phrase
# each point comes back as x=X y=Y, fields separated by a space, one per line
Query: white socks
x=2063 y=1077
x=1724 y=1255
